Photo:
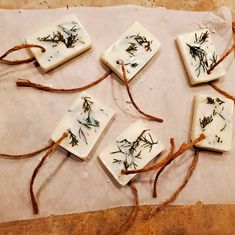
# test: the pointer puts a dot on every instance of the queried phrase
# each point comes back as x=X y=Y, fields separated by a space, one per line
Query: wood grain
x=195 y=5
x=178 y=220
x=197 y=219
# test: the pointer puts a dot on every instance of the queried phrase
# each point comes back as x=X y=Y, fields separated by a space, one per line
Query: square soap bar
x=198 y=54
x=133 y=149
x=62 y=40
x=84 y=121
x=135 y=48
x=213 y=117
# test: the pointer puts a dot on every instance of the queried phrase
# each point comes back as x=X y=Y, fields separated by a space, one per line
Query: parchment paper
x=28 y=117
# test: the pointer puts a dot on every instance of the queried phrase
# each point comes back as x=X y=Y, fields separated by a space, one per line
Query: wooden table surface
x=196 y=219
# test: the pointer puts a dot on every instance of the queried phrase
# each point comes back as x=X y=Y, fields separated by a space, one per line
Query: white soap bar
x=133 y=149
x=84 y=121
x=135 y=48
x=213 y=117
x=198 y=54
x=62 y=40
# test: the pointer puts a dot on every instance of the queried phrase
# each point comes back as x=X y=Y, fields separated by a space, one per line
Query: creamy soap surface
x=133 y=149
x=198 y=54
x=213 y=117
x=84 y=121
x=135 y=48
x=62 y=40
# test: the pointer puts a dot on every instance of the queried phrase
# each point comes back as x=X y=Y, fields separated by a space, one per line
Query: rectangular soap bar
x=84 y=121
x=133 y=149
x=198 y=53
x=213 y=117
x=135 y=48
x=62 y=40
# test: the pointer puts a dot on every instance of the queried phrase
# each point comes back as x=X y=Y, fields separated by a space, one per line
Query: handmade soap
x=213 y=117
x=134 y=48
x=133 y=149
x=198 y=53
x=84 y=121
x=62 y=40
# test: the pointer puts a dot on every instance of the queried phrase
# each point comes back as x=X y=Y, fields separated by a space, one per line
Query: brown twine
x=183 y=148
x=170 y=155
x=27 y=83
x=150 y=117
x=221 y=59
x=132 y=217
x=226 y=94
x=36 y=170
x=179 y=189
x=26 y=155
x=16 y=48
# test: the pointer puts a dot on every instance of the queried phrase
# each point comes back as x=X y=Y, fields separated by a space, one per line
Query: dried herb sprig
x=133 y=149
x=82 y=135
x=16 y=48
x=173 y=197
x=87 y=104
x=132 y=48
x=198 y=54
x=87 y=108
x=218 y=139
x=183 y=148
x=89 y=121
x=36 y=170
x=142 y=41
x=70 y=31
x=205 y=121
x=213 y=59
x=213 y=65
x=202 y=38
x=133 y=65
x=214 y=112
x=221 y=116
x=27 y=83
x=226 y=94
x=150 y=117
x=219 y=101
x=57 y=37
x=222 y=129
x=73 y=138
x=210 y=100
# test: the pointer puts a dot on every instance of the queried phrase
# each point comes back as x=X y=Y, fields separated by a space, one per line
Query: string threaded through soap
x=17 y=48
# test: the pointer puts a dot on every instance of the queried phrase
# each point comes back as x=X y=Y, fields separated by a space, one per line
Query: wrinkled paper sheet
x=28 y=117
